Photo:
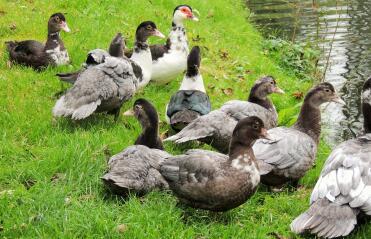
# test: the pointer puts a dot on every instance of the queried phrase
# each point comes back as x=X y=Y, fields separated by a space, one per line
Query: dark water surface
x=342 y=29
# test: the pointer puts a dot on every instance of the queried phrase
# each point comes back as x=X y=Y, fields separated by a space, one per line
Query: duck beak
x=264 y=134
x=65 y=27
x=129 y=113
x=338 y=100
x=157 y=33
x=278 y=90
x=192 y=17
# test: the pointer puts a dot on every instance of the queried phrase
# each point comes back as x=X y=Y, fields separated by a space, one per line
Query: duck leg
x=115 y=112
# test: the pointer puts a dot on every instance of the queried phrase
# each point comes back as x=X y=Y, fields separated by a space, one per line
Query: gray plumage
x=291 y=152
x=102 y=88
x=96 y=57
x=136 y=169
x=342 y=191
x=216 y=127
x=288 y=154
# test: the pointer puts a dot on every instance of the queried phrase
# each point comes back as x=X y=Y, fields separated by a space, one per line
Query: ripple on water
x=342 y=26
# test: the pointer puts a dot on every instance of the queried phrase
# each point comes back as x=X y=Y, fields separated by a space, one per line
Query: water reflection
x=342 y=30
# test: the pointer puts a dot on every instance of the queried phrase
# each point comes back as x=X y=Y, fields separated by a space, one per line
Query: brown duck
x=204 y=179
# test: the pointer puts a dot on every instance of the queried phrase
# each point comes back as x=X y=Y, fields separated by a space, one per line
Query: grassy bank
x=50 y=169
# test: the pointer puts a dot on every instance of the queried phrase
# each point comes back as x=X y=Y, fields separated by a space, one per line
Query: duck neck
x=193 y=83
x=309 y=120
x=53 y=41
x=142 y=56
x=149 y=135
x=366 y=109
x=262 y=101
x=238 y=148
x=178 y=37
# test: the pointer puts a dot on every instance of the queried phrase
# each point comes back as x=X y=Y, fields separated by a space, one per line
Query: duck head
x=261 y=89
x=366 y=105
x=322 y=93
x=146 y=30
x=145 y=113
x=56 y=23
x=247 y=131
x=183 y=12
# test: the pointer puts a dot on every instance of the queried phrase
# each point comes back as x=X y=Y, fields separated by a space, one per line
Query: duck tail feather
x=85 y=110
x=61 y=109
x=68 y=77
x=326 y=219
x=182 y=118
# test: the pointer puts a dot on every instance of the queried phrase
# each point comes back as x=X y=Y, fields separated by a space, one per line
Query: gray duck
x=38 y=55
x=96 y=57
x=343 y=189
x=216 y=127
x=191 y=100
x=105 y=87
x=291 y=151
x=136 y=168
x=203 y=179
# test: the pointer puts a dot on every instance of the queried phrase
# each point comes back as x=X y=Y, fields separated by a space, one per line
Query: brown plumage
x=206 y=180
x=37 y=55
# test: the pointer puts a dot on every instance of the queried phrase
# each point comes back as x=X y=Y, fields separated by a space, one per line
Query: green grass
x=50 y=169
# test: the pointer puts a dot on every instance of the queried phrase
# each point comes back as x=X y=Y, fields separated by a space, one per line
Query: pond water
x=342 y=29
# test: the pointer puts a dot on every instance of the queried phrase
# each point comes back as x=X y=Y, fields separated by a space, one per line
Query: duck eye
x=272 y=82
x=57 y=19
x=255 y=126
x=327 y=90
x=138 y=107
x=149 y=27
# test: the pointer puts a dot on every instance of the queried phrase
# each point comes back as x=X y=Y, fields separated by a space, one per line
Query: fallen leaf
x=122 y=228
x=298 y=95
x=13 y=26
x=9 y=64
x=57 y=177
x=197 y=38
x=223 y=54
x=164 y=135
x=2 y=12
x=1 y=228
x=228 y=91
x=28 y=183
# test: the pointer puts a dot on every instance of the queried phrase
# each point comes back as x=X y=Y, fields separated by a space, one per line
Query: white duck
x=170 y=60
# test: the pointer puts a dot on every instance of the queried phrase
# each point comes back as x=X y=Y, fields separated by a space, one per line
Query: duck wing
x=112 y=79
x=288 y=152
x=136 y=169
x=159 y=50
x=193 y=100
x=188 y=175
x=30 y=53
x=216 y=125
x=342 y=190
x=241 y=109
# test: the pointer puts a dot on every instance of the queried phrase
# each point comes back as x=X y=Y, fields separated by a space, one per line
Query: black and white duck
x=343 y=189
x=170 y=60
x=204 y=179
x=38 y=55
x=96 y=57
x=216 y=127
x=291 y=152
x=105 y=87
x=136 y=168
x=191 y=100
